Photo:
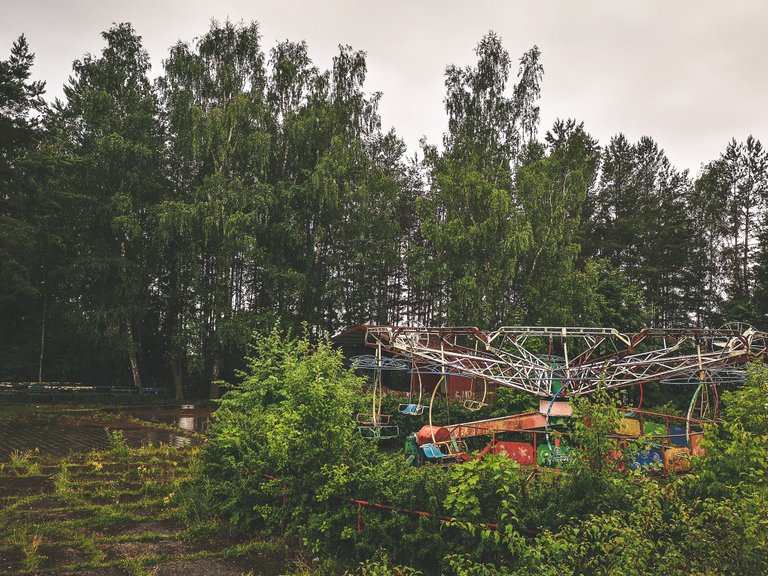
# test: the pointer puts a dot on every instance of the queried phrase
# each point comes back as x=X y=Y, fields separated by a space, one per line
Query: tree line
x=148 y=227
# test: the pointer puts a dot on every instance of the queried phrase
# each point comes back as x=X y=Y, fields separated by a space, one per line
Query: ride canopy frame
x=542 y=360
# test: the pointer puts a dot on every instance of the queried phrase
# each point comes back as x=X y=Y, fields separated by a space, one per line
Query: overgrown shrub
x=284 y=456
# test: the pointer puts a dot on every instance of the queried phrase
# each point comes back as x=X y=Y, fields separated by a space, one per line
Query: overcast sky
x=690 y=73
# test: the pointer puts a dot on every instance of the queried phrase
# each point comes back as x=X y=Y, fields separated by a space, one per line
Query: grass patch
x=266 y=546
x=25 y=462
x=28 y=542
x=142 y=537
x=73 y=513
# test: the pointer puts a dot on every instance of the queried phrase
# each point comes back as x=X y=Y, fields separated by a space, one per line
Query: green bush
x=748 y=405
x=292 y=418
x=289 y=417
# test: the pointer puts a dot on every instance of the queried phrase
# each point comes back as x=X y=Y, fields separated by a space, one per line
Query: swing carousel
x=556 y=364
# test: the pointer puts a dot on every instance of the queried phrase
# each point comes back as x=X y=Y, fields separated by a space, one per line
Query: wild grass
x=30 y=545
x=25 y=462
x=117 y=444
x=102 y=498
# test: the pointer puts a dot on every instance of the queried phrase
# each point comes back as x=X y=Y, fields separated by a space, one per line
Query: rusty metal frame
x=507 y=356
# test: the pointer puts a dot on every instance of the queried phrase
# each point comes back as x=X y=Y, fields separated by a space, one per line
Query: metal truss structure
x=545 y=360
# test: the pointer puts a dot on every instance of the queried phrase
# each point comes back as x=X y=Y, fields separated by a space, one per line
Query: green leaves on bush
x=284 y=456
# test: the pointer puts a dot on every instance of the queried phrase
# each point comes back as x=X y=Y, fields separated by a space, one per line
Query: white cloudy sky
x=691 y=73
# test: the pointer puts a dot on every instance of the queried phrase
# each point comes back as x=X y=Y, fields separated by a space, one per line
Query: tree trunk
x=177 y=373
x=132 y=357
x=42 y=344
x=132 y=360
x=745 y=262
x=215 y=373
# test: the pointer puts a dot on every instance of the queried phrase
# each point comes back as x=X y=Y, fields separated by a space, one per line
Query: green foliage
x=595 y=421
x=300 y=405
x=638 y=222
x=30 y=238
x=593 y=518
x=709 y=522
x=614 y=300
x=735 y=466
x=117 y=444
x=511 y=401
x=748 y=405
x=24 y=463
x=485 y=488
x=30 y=546
x=291 y=416
x=472 y=227
x=552 y=187
x=286 y=433
x=382 y=566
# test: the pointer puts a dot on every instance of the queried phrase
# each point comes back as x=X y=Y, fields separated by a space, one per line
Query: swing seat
x=411 y=409
x=474 y=405
x=456 y=448
x=378 y=432
x=677 y=436
x=368 y=419
x=432 y=452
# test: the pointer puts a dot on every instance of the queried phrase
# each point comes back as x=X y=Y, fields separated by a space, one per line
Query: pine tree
x=641 y=225
x=730 y=202
x=28 y=244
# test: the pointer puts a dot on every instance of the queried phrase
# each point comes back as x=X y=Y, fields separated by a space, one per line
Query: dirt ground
x=111 y=512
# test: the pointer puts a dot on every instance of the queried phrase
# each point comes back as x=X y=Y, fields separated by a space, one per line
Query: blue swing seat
x=411 y=409
x=432 y=452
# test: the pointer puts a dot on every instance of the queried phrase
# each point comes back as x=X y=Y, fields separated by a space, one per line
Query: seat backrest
x=431 y=451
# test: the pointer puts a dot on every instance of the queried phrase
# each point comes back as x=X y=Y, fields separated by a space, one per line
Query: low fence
x=77 y=393
x=361 y=504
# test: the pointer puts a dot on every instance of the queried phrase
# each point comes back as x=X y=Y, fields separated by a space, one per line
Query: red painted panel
x=428 y=383
x=520 y=452
x=555 y=408
x=424 y=436
x=462 y=387
x=529 y=422
x=696 y=439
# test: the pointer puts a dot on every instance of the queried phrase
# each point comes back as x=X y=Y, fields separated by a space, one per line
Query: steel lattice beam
x=512 y=355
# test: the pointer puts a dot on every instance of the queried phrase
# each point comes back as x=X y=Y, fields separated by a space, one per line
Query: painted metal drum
x=555 y=457
x=677 y=459
x=646 y=460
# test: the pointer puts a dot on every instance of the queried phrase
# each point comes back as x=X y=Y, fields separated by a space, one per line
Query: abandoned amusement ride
x=555 y=364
